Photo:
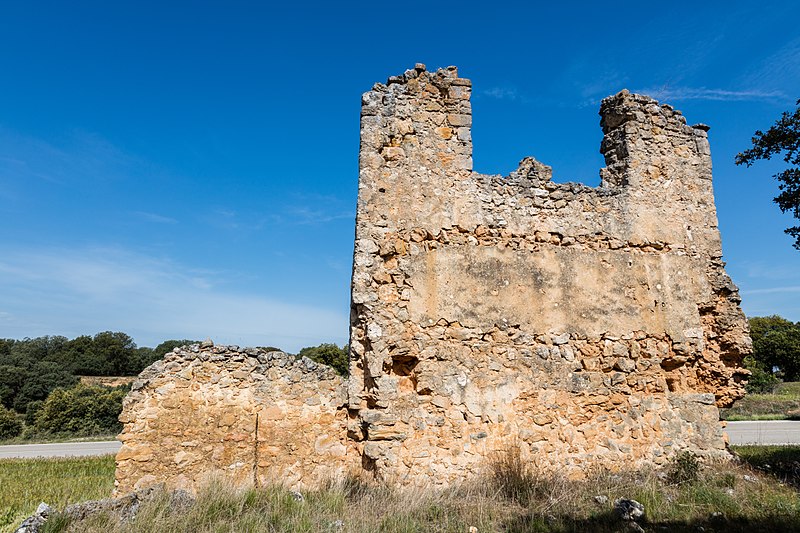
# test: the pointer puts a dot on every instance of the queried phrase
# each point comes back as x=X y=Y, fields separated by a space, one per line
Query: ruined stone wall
x=587 y=326
x=249 y=416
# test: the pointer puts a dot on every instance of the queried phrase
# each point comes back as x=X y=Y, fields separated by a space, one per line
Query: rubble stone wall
x=586 y=326
x=248 y=416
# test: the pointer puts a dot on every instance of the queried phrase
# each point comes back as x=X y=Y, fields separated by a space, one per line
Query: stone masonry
x=246 y=415
x=585 y=327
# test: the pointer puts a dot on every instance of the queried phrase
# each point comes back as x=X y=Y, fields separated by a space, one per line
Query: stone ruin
x=584 y=327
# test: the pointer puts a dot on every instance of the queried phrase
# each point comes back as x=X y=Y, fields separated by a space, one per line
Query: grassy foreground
x=26 y=482
x=783 y=404
x=723 y=497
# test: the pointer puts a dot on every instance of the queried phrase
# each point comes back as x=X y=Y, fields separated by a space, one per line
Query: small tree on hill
x=10 y=425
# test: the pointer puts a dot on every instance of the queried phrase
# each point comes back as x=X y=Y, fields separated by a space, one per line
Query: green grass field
x=58 y=482
x=783 y=404
x=515 y=500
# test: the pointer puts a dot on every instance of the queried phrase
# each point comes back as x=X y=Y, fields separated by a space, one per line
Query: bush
x=761 y=381
x=32 y=412
x=683 y=469
x=329 y=354
x=81 y=410
x=512 y=477
x=10 y=425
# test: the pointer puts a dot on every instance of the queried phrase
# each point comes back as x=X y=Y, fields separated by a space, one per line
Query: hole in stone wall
x=369 y=466
x=671 y=364
x=673 y=383
x=404 y=365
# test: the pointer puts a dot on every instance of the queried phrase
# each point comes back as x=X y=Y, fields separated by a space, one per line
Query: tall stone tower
x=584 y=326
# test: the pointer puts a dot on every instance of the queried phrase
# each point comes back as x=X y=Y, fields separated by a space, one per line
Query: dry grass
x=513 y=498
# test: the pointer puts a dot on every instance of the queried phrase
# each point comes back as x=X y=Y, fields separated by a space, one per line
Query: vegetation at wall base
x=723 y=497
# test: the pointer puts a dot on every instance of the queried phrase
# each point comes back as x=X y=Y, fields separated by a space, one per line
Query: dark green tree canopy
x=31 y=368
x=782 y=137
x=776 y=344
x=329 y=354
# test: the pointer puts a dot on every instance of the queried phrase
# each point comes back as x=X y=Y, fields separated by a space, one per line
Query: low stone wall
x=249 y=416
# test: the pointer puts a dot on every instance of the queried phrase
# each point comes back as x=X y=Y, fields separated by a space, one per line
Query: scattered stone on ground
x=628 y=509
x=123 y=508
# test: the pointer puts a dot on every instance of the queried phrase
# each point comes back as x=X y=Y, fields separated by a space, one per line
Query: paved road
x=764 y=432
x=60 y=449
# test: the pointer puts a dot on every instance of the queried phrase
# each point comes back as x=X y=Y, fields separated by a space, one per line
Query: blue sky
x=190 y=171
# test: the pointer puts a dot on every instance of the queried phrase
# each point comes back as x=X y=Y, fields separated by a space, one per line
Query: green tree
x=10 y=425
x=81 y=410
x=776 y=344
x=42 y=377
x=329 y=354
x=32 y=411
x=117 y=350
x=761 y=380
x=79 y=357
x=11 y=380
x=782 y=137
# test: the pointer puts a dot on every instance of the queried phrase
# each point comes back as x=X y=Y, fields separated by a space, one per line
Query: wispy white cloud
x=235 y=220
x=311 y=215
x=779 y=68
x=501 y=93
x=772 y=290
x=72 y=292
x=765 y=273
x=80 y=156
x=670 y=93
x=155 y=217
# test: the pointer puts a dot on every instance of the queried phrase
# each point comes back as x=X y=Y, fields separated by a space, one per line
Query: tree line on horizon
x=41 y=393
